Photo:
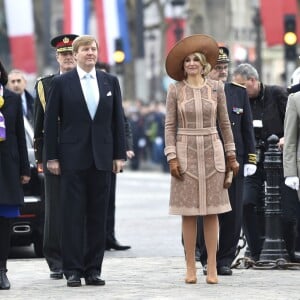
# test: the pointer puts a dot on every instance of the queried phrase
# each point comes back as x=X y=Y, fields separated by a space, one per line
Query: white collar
x=82 y=73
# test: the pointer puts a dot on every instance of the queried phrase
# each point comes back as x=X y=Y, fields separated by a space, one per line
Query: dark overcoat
x=13 y=151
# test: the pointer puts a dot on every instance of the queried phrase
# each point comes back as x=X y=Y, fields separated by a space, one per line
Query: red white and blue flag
x=20 y=30
x=76 y=16
x=111 y=25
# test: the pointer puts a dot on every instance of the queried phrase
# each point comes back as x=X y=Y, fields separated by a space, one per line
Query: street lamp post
x=258 y=41
x=178 y=30
x=152 y=79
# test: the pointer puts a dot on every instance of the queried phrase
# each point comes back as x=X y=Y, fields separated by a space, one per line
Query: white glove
x=249 y=169
x=292 y=182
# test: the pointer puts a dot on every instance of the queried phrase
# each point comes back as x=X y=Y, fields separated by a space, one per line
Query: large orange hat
x=202 y=43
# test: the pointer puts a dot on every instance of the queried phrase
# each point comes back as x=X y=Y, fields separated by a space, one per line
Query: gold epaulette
x=252 y=158
x=41 y=93
x=42 y=78
x=237 y=84
x=46 y=76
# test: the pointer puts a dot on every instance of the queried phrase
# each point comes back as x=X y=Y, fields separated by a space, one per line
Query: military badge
x=237 y=110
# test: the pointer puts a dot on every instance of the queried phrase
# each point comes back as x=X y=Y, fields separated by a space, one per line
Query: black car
x=28 y=228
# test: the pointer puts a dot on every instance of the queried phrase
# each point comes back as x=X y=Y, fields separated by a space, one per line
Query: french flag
x=20 y=29
x=76 y=17
x=112 y=25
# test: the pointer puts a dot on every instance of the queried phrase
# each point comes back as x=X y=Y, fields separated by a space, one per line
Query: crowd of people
x=210 y=134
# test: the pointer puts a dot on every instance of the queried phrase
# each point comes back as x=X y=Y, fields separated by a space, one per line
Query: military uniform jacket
x=42 y=90
x=240 y=116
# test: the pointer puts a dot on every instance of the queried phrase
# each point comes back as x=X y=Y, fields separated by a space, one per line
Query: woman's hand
x=175 y=168
x=232 y=164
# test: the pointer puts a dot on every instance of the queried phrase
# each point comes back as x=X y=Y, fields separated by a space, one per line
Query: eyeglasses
x=221 y=68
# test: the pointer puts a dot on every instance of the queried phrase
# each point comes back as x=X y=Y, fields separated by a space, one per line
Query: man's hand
x=280 y=144
x=25 y=179
x=40 y=167
x=130 y=154
x=292 y=182
x=118 y=165
x=53 y=166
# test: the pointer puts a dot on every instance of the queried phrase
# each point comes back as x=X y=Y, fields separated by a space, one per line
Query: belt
x=197 y=131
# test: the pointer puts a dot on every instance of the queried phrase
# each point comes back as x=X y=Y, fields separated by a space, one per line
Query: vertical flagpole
x=20 y=28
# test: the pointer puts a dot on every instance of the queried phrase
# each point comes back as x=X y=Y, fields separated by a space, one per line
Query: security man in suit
x=111 y=241
x=90 y=145
x=17 y=83
x=241 y=123
x=52 y=227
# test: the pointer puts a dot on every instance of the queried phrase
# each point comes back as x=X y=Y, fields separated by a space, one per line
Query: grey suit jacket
x=291 y=149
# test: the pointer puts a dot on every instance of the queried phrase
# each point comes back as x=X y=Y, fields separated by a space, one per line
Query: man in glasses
x=241 y=123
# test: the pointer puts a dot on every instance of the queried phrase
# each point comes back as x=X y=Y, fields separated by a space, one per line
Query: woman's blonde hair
x=206 y=65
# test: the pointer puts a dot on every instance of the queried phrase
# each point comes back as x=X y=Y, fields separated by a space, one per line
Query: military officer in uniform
x=240 y=116
x=52 y=229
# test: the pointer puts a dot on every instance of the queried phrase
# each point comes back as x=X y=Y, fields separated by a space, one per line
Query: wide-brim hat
x=202 y=43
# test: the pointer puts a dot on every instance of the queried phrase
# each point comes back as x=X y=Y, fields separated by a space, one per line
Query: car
x=28 y=228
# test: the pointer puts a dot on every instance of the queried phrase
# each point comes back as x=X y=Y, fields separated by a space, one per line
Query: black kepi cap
x=223 y=55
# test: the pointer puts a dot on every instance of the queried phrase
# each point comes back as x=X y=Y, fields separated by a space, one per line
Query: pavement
x=154 y=267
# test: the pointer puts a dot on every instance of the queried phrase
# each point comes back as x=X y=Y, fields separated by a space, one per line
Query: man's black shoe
x=116 y=246
x=4 y=282
x=224 y=270
x=56 y=275
x=197 y=254
x=94 y=280
x=74 y=280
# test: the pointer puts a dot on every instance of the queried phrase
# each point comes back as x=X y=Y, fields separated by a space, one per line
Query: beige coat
x=192 y=137
x=291 y=148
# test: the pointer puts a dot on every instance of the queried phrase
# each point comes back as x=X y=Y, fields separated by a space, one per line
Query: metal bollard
x=273 y=246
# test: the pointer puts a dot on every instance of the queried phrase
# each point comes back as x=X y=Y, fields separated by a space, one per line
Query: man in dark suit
x=111 y=241
x=91 y=144
x=52 y=226
x=242 y=128
x=17 y=83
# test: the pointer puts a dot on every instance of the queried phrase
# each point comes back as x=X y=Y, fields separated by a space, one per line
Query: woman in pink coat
x=194 y=150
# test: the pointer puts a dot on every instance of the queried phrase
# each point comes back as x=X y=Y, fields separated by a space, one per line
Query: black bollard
x=273 y=246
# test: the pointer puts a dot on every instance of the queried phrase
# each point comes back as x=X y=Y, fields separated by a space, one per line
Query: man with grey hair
x=268 y=104
x=17 y=83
